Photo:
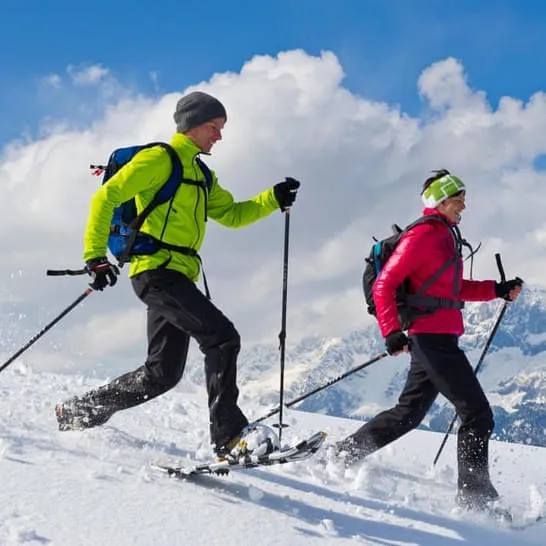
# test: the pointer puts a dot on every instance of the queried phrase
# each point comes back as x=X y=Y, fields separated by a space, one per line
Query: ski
x=299 y=452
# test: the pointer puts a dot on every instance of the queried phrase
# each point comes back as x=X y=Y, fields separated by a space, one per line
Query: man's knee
x=232 y=343
x=226 y=340
x=221 y=358
x=163 y=377
x=227 y=352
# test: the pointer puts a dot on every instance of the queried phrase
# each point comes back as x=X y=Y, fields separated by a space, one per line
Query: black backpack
x=411 y=306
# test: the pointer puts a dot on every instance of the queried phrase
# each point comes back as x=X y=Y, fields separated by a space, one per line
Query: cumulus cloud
x=361 y=163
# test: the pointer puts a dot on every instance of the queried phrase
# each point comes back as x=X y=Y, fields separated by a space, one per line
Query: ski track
x=97 y=488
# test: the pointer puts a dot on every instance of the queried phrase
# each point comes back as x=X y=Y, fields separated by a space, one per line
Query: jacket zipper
x=196 y=171
x=166 y=218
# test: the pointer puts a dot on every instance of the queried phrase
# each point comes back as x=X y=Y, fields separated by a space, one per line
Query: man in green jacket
x=165 y=281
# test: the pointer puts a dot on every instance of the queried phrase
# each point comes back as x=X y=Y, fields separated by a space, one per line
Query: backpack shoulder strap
x=206 y=171
x=169 y=188
x=164 y=194
x=457 y=243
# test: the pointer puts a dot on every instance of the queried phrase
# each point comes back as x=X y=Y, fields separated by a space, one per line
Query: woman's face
x=453 y=207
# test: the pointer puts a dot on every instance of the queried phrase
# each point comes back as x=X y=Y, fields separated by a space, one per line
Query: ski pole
x=282 y=334
x=322 y=387
x=46 y=328
x=482 y=356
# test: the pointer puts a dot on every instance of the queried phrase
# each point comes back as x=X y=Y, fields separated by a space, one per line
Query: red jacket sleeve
x=477 y=290
x=403 y=261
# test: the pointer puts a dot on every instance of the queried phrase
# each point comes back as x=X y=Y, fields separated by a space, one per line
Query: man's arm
x=225 y=210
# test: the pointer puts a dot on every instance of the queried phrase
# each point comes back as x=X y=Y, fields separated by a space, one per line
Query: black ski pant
x=437 y=365
x=177 y=311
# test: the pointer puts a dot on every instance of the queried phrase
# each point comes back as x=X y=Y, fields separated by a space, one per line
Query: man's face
x=207 y=134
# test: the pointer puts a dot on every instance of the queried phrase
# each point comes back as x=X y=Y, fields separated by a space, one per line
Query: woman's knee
x=486 y=420
x=408 y=417
x=482 y=421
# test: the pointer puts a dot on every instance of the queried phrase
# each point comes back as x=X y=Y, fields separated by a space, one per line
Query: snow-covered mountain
x=513 y=372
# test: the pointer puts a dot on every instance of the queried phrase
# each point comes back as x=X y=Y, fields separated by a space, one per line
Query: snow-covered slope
x=96 y=487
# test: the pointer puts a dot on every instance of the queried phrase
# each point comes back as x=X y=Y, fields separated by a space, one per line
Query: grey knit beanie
x=195 y=109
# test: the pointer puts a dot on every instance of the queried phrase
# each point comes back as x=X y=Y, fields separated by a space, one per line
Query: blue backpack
x=125 y=239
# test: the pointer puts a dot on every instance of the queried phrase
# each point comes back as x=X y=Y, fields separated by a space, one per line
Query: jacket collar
x=429 y=212
x=182 y=141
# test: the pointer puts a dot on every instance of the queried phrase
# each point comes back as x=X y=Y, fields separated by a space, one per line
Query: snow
x=97 y=488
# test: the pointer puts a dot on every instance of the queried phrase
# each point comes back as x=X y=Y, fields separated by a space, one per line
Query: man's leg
x=167 y=352
x=454 y=377
x=183 y=306
x=414 y=402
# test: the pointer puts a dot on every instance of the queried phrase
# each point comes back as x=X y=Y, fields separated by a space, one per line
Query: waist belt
x=182 y=249
x=432 y=302
x=116 y=230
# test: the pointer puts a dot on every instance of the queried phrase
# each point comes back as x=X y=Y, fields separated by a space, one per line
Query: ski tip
x=159 y=467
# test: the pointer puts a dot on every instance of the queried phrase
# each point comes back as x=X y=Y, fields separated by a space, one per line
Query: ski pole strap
x=71 y=272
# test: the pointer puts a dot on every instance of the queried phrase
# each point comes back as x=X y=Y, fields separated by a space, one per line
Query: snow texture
x=97 y=488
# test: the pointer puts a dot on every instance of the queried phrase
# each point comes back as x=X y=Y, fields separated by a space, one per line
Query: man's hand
x=285 y=192
x=396 y=343
x=102 y=272
x=509 y=290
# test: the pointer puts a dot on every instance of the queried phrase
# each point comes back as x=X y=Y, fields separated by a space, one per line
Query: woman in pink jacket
x=428 y=257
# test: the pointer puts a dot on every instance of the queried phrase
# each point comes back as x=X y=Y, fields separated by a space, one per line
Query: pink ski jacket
x=421 y=252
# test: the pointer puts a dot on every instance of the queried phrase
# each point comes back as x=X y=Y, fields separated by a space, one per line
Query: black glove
x=102 y=272
x=395 y=342
x=503 y=289
x=285 y=192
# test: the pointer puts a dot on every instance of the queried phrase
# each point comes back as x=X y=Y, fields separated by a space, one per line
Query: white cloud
x=88 y=75
x=444 y=85
x=361 y=163
x=53 y=80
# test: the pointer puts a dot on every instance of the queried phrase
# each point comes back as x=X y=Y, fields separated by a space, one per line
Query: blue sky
x=382 y=45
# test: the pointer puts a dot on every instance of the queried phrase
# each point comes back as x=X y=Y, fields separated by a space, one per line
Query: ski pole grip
x=500 y=267
x=59 y=272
